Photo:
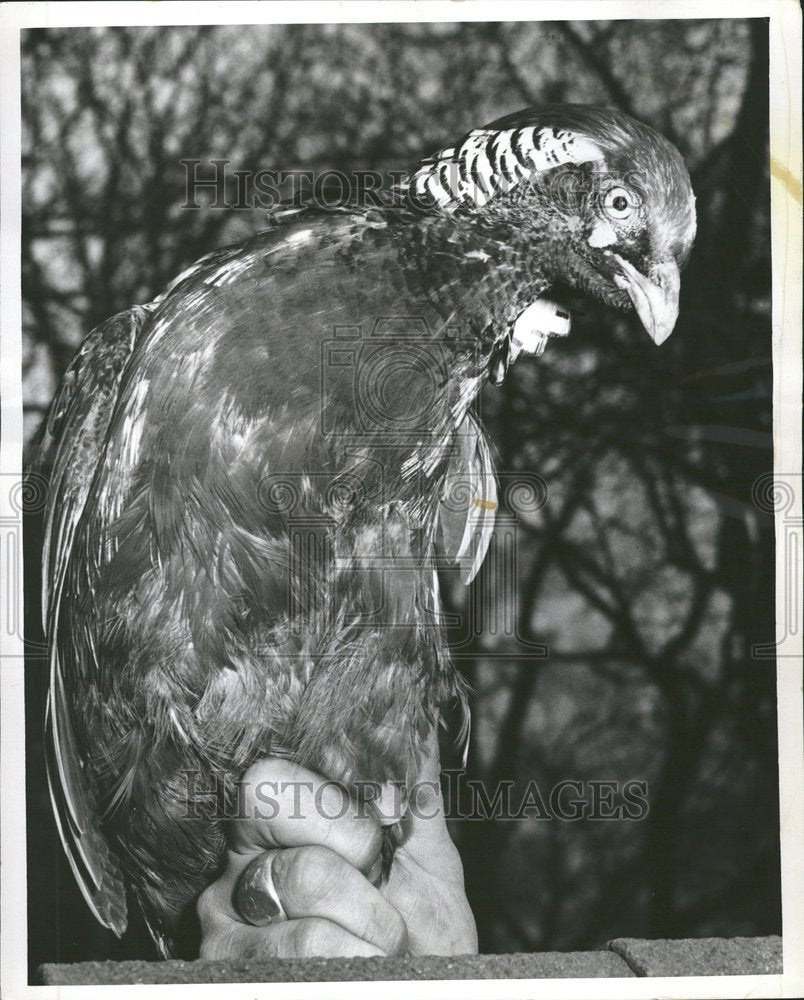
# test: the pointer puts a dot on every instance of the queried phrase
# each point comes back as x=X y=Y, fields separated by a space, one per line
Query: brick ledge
x=624 y=957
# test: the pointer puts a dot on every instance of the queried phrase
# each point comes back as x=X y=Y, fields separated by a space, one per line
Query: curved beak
x=655 y=298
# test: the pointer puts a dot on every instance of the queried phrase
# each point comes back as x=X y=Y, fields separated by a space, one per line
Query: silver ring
x=255 y=896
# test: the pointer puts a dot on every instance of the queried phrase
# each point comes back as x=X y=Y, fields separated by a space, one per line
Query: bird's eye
x=618 y=203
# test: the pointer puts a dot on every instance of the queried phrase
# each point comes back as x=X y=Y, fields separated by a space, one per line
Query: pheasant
x=254 y=478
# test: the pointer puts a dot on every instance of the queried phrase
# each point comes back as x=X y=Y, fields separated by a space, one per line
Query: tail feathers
x=95 y=867
x=161 y=937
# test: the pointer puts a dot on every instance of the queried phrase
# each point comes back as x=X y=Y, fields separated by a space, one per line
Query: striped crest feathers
x=491 y=161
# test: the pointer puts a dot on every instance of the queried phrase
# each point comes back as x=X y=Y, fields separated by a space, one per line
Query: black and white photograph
x=401 y=499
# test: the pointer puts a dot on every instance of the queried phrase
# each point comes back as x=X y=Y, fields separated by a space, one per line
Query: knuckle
x=384 y=925
x=261 y=772
x=312 y=873
x=207 y=908
x=312 y=937
x=266 y=769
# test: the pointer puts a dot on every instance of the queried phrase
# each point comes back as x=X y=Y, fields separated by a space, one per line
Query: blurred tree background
x=648 y=571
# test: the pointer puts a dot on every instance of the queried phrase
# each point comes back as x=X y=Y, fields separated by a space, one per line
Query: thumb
x=425 y=834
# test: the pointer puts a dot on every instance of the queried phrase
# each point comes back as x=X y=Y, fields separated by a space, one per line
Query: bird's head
x=591 y=198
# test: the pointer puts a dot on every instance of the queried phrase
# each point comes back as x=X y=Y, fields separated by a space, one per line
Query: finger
x=317 y=882
x=310 y=937
x=424 y=825
x=285 y=805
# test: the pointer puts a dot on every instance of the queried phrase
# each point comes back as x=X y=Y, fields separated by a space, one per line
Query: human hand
x=323 y=854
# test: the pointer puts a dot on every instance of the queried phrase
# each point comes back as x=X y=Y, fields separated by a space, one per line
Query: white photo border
x=786 y=213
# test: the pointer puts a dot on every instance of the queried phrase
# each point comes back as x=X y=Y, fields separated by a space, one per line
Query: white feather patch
x=469 y=502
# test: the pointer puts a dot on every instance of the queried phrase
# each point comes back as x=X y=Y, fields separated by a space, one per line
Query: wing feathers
x=72 y=448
